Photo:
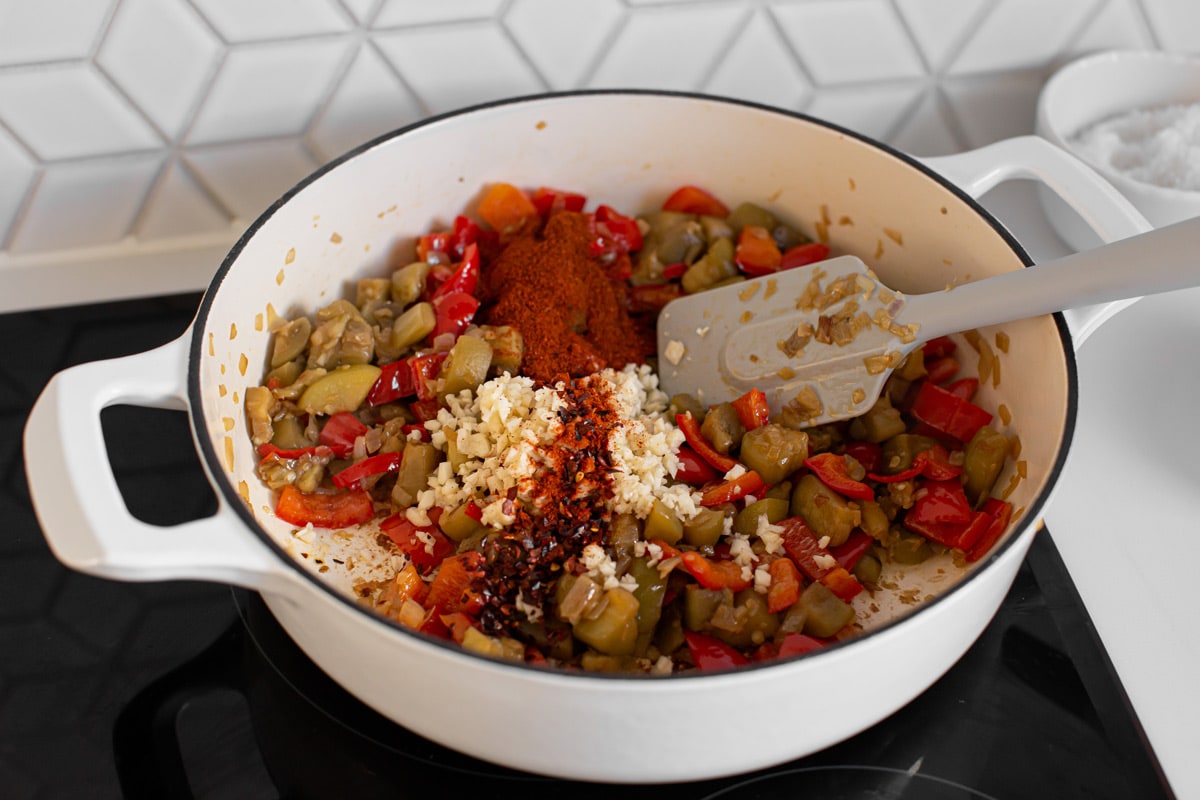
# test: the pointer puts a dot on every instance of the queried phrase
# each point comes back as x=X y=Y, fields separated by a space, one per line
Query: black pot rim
x=231 y=497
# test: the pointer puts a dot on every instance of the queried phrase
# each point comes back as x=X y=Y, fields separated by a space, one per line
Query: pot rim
x=230 y=494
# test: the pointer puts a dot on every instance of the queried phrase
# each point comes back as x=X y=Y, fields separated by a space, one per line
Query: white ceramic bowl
x=1103 y=85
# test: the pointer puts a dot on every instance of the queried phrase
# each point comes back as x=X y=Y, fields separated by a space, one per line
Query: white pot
x=627 y=149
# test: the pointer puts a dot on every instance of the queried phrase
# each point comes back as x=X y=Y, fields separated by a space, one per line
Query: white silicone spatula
x=827 y=336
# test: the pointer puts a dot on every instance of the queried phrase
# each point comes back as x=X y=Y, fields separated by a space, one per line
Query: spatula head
x=819 y=341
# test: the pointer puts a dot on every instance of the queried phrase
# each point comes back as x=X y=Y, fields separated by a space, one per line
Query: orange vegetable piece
x=507 y=208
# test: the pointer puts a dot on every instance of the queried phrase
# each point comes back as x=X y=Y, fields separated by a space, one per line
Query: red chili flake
x=568 y=512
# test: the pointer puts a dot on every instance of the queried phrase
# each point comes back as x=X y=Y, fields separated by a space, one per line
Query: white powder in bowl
x=1159 y=146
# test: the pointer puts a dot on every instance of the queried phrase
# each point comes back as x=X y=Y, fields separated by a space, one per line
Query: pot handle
x=1101 y=206
x=77 y=501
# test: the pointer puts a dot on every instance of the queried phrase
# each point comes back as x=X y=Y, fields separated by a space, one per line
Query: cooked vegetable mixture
x=493 y=406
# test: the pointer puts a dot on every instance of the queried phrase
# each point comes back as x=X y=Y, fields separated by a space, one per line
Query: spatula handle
x=1160 y=260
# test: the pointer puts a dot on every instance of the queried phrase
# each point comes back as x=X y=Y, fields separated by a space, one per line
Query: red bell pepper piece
x=694 y=200
x=865 y=453
x=395 y=382
x=940 y=513
x=457 y=623
x=466 y=233
x=940 y=370
x=506 y=208
x=322 y=510
x=426 y=545
x=616 y=234
x=710 y=653
x=756 y=253
x=453 y=313
x=692 y=468
x=733 y=489
x=424 y=410
x=713 y=574
x=434 y=626
x=850 y=551
x=425 y=371
x=409 y=585
x=674 y=271
x=817 y=563
x=547 y=200
x=377 y=464
x=340 y=431
x=938 y=346
x=803 y=254
x=267 y=450
x=651 y=297
x=452 y=590
x=936 y=465
x=464 y=278
x=421 y=430
x=1000 y=512
x=831 y=468
x=434 y=243
x=691 y=433
x=784 y=590
x=941 y=501
x=948 y=413
x=752 y=409
x=963 y=387
x=797 y=644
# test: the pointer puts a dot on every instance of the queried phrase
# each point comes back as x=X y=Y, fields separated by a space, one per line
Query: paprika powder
x=571 y=314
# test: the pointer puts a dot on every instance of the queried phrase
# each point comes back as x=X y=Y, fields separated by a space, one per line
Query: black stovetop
x=178 y=689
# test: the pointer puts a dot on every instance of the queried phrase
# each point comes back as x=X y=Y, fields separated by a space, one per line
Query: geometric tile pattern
x=194 y=114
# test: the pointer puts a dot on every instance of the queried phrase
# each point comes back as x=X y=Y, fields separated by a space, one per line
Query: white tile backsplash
x=256 y=20
x=759 y=65
x=451 y=66
x=146 y=134
x=1046 y=29
x=669 y=47
x=162 y=74
x=1176 y=23
x=370 y=100
x=70 y=111
x=582 y=34
x=17 y=171
x=246 y=177
x=180 y=207
x=938 y=27
x=850 y=41
x=86 y=202
x=49 y=30
x=273 y=89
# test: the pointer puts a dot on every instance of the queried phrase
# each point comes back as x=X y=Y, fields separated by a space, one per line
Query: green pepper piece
x=723 y=428
x=984 y=458
x=704 y=529
x=663 y=523
x=825 y=511
x=615 y=631
x=825 y=612
x=746 y=521
x=773 y=451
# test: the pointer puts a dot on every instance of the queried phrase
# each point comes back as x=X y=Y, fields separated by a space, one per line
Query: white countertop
x=1126 y=512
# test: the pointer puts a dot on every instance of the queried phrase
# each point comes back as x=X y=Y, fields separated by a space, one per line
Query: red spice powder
x=571 y=315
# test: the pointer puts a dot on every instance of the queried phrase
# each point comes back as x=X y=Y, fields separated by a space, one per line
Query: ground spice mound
x=560 y=517
x=571 y=315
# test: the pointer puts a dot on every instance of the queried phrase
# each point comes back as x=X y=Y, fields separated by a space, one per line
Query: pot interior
x=361 y=216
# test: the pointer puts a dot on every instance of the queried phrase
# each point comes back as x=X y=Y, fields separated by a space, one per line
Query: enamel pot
x=915 y=222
